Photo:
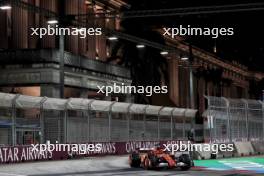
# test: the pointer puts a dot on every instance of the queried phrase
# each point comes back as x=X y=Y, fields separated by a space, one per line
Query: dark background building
x=30 y=65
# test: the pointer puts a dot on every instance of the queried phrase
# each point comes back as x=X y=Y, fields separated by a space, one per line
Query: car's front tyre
x=147 y=163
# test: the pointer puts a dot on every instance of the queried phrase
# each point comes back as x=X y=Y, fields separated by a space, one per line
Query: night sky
x=246 y=46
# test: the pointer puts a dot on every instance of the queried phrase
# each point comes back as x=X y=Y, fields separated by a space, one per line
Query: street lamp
x=5 y=7
x=140 y=46
x=112 y=38
x=52 y=21
x=184 y=58
x=164 y=53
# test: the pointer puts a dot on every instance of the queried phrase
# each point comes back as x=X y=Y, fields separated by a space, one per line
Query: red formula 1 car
x=157 y=158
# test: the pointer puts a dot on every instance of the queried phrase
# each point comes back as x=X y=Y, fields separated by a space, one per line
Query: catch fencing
x=230 y=120
x=28 y=119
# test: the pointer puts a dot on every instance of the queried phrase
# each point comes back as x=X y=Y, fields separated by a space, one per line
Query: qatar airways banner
x=28 y=153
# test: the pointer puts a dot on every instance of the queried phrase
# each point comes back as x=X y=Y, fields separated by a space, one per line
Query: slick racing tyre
x=147 y=164
x=134 y=161
x=185 y=158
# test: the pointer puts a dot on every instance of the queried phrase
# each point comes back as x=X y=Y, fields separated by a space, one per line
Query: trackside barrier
x=233 y=120
x=258 y=147
x=240 y=149
x=201 y=155
x=17 y=154
x=227 y=154
x=26 y=119
x=244 y=148
x=237 y=121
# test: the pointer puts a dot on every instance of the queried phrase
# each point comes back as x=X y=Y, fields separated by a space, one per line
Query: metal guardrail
x=78 y=120
x=230 y=120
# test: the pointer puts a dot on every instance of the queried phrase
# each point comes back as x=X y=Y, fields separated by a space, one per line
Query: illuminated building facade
x=30 y=65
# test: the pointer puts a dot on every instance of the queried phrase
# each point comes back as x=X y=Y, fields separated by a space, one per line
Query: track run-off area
x=118 y=165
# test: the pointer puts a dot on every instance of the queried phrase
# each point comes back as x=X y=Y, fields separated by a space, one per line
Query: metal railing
x=229 y=120
x=27 y=119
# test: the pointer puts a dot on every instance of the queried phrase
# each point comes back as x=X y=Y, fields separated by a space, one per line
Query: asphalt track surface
x=118 y=165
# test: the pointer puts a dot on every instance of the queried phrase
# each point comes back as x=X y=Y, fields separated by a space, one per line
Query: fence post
x=110 y=121
x=171 y=123
x=229 y=134
x=89 y=119
x=262 y=121
x=59 y=128
x=65 y=121
x=193 y=127
x=212 y=127
x=209 y=121
x=144 y=121
x=159 y=122
x=207 y=117
x=262 y=110
x=247 y=120
x=238 y=129
x=128 y=120
x=14 y=119
x=229 y=123
x=41 y=119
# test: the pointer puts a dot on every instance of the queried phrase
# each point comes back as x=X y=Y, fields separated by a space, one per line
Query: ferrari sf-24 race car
x=154 y=158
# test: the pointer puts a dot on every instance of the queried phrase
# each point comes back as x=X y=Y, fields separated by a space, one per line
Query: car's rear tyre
x=134 y=162
x=185 y=158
